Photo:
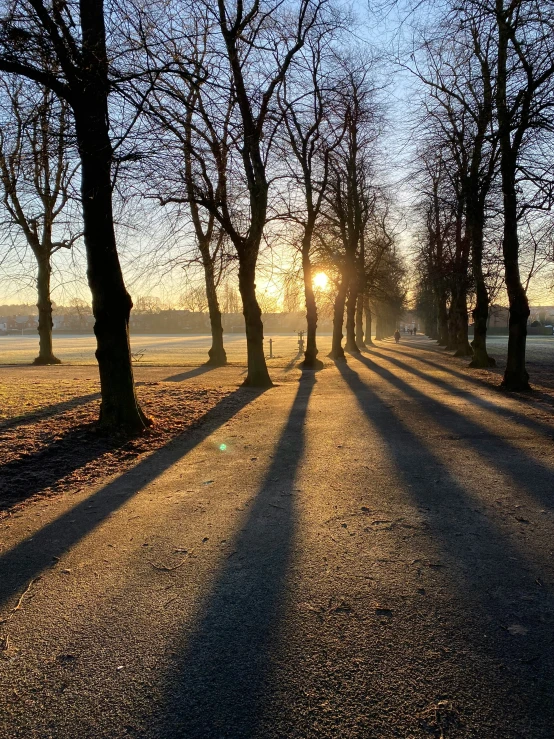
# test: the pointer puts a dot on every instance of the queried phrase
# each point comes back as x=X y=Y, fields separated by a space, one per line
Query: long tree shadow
x=511 y=415
x=32 y=473
x=223 y=677
x=492 y=584
x=293 y=361
x=534 y=477
x=47 y=412
x=190 y=373
x=67 y=405
x=523 y=398
x=29 y=558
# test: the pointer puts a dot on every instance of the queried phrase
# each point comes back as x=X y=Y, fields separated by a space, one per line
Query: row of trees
x=250 y=122
x=485 y=168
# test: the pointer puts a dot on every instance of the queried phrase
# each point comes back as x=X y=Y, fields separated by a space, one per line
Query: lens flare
x=222 y=447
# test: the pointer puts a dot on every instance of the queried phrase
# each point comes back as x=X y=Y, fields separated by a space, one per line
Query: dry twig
x=20 y=600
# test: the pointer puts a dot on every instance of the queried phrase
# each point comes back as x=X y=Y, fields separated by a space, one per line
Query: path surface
x=365 y=552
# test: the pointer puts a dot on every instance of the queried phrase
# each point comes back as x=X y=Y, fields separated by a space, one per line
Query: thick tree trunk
x=379 y=326
x=111 y=303
x=442 y=327
x=368 y=317
x=337 y=352
x=481 y=311
x=360 y=343
x=516 y=376
x=460 y=336
x=481 y=358
x=257 y=374
x=44 y=305
x=217 y=354
x=351 y=302
x=310 y=355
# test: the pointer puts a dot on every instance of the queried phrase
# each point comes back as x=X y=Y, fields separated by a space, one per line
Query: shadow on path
x=524 y=398
x=534 y=477
x=489 y=580
x=224 y=675
x=190 y=373
x=34 y=472
x=47 y=412
x=28 y=559
x=509 y=414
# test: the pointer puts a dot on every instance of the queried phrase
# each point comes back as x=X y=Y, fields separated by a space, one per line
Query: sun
x=321 y=281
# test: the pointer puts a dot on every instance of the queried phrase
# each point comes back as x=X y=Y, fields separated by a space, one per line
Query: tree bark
x=459 y=308
x=217 y=355
x=111 y=303
x=44 y=305
x=516 y=376
x=360 y=343
x=257 y=374
x=379 y=326
x=351 y=303
x=442 y=312
x=480 y=313
x=337 y=352
x=368 y=317
x=310 y=355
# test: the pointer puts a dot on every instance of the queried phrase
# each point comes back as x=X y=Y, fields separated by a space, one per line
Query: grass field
x=155 y=349
x=193 y=350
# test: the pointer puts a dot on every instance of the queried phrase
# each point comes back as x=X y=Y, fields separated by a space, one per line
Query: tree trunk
x=310 y=355
x=337 y=352
x=379 y=326
x=351 y=303
x=481 y=358
x=516 y=376
x=257 y=375
x=217 y=355
x=44 y=305
x=111 y=303
x=360 y=343
x=460 y=336
x=368 y=317
x=442 y=319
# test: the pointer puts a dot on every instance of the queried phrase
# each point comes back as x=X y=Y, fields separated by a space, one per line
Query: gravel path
x=365 y=552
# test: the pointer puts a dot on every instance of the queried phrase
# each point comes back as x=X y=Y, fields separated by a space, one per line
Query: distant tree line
x=485 y=169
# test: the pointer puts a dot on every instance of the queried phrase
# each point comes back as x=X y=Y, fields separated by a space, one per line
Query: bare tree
x=524 y=33
x=307 y=103
x=348 y=195
x=185 y=132
x=459 y=75
x=62 y=46
x=243 y=30
x=36 y=176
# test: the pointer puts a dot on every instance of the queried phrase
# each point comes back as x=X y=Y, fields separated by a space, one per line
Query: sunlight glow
x=321 y=281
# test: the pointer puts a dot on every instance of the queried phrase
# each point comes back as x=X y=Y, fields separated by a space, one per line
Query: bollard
x=271 y=348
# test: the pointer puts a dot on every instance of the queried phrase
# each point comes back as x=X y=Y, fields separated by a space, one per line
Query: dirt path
x=364 y=553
